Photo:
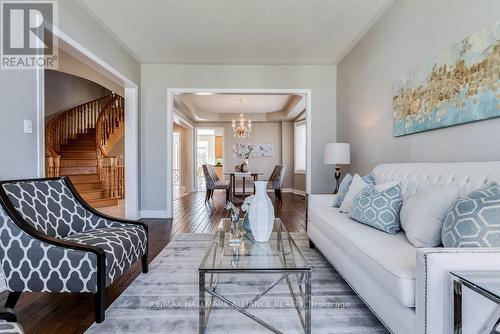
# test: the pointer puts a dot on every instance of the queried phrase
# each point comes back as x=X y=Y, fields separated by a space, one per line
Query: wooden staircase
x=78 y=160
x=77 y=143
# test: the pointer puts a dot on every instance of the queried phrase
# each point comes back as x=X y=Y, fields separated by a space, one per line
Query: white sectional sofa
x=408 y=288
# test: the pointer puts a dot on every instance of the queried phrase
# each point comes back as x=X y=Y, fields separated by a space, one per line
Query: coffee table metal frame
x=466 y=279
x=303 y=278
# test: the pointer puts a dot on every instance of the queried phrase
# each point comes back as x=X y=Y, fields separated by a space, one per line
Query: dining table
x=244 y=176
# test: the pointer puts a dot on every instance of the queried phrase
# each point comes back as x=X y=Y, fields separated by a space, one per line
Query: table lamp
x=337 y=154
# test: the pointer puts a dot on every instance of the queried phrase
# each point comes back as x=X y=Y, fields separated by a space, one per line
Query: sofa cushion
x=389 y=259
x=123 y=244
x=422 y=215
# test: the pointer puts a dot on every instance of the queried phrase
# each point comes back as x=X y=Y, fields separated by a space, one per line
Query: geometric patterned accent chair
x=51 y=240
x=276 y=180
x=213 y=182
x=8 y=322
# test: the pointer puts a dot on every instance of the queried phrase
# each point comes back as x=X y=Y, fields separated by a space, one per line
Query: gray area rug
x=165 y=300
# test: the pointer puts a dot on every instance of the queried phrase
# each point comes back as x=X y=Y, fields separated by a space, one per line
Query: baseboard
x=153 y=214
x=299 y=192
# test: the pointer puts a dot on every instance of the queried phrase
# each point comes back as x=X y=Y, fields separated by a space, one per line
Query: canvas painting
x=460 y=86
x=259 y=150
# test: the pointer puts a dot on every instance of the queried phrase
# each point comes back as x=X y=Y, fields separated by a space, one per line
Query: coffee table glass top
x=279 y=254
x=485 y=282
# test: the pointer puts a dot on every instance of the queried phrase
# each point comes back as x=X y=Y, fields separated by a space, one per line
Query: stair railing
x=66 y=125
x=112 y=172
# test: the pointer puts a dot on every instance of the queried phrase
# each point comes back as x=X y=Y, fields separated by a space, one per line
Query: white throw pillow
x=384 y=186
x=423 y=214
x=357 y=185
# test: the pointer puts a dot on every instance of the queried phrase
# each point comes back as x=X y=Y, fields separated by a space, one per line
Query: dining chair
x=276 y=180
x=213 y=182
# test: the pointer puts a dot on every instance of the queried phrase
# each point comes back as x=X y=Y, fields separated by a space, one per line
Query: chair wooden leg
x=228 y=191
x=144 y=262
x=212 y=193
x=12 y=299
x=207 y=195
x=277 y=193
x=100 y=305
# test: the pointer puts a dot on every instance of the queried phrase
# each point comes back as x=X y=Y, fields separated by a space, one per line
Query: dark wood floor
x=73 y=313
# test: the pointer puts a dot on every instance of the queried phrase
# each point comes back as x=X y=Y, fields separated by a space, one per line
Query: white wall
x=65 y=91
x=155 y=79
x=262 y=133
x=408 y=34
x=18 y=91
x=79 y=24
x=70 y=65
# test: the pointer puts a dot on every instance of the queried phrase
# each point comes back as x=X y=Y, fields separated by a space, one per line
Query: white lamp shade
x=337 y=153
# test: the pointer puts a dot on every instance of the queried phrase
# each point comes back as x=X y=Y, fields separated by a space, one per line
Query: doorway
x=129 y=206
x=181 y=168
x=172 y=93
x=209 y=150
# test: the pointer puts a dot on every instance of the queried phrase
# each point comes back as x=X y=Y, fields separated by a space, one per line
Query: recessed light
x=204 y=93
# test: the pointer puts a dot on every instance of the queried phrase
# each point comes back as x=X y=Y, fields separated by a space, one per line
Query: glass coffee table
x=234 y=252
x=486 y=284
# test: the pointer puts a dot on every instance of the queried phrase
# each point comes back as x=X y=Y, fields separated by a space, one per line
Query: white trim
x=299 y=192
x=40 y=121
x=170 y=111
x=293 y=191
x=308 y=142
x=131 y=127
x=132 y=148
x=153 y=214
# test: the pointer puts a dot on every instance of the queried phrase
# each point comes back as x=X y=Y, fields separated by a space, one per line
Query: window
x=300 y=147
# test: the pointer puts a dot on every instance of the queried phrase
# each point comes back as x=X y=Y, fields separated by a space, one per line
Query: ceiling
x=237 y=31
x=226 y=107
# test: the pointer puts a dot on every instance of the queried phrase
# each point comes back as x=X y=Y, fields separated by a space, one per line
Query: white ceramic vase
x=261 y=213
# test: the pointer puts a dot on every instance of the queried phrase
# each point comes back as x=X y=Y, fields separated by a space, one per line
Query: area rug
x=165 y=300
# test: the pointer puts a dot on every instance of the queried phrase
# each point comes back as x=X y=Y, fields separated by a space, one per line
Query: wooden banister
x=66 y=125
x=110 y=168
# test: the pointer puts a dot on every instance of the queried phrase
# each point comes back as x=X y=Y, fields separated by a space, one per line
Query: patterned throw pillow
x=379 y=209
x=474 y=220
x=346 y=183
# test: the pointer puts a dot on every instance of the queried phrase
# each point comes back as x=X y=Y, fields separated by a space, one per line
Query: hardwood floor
x=73 y=313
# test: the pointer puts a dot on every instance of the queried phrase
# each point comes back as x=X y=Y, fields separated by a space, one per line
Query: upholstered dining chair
x=213 y=182
x=51 y=240
x=276 y=181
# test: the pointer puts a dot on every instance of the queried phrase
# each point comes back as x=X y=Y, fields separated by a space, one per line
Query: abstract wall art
x=460 y=86
x=259 y=150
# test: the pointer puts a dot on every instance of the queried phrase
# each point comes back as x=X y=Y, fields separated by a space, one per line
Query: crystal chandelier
x=241 y=129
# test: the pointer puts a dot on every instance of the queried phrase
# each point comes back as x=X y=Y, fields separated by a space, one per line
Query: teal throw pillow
x=474 y=220
x=379 y=209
